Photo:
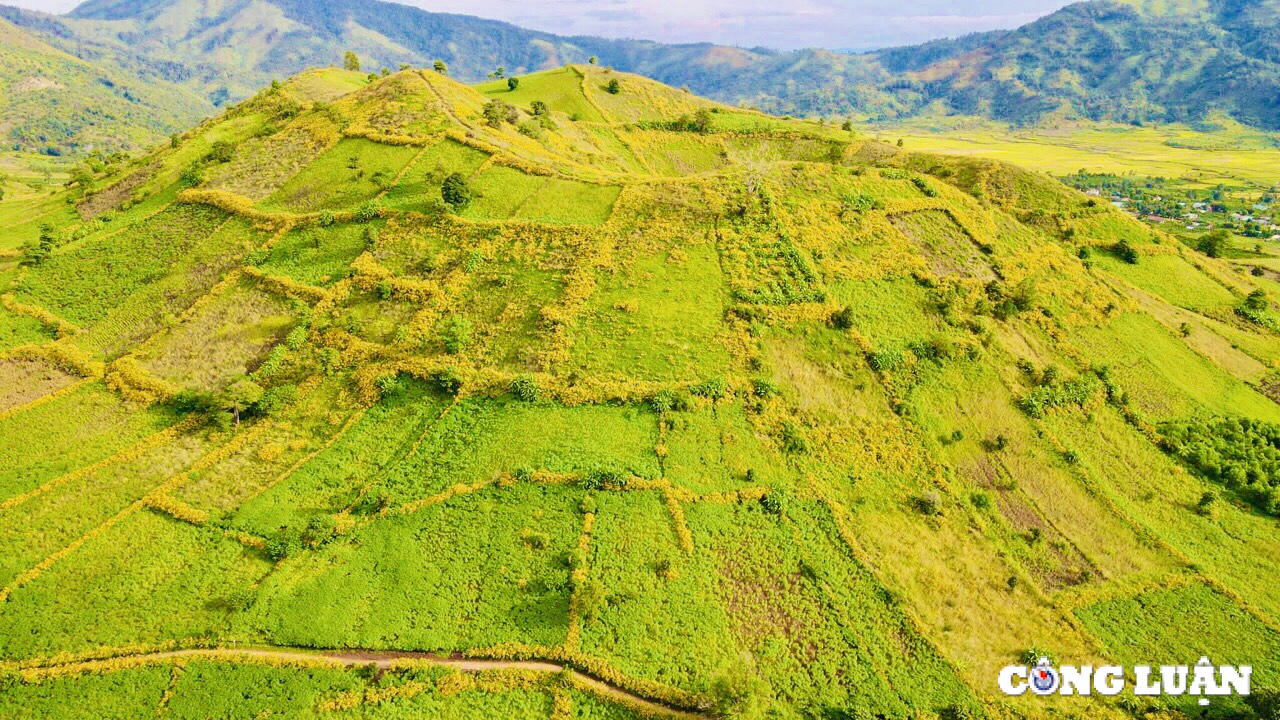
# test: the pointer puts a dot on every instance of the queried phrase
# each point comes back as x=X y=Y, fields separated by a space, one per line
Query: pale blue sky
x=775 y=23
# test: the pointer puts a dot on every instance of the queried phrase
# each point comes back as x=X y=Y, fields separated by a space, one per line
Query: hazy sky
x=774 y=23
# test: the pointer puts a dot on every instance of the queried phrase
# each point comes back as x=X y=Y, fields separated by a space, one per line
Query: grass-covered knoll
x=733 y=415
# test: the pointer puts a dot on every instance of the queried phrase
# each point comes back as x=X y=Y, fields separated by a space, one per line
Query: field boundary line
x=61 y=327
x=129 y=453
x=573 y=637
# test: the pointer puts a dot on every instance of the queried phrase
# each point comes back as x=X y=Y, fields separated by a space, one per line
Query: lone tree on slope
x=351 y=61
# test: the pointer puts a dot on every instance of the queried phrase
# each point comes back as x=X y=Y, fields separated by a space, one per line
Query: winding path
x=386 y=659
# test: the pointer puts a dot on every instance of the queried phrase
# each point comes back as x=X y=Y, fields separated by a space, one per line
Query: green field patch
x=147 y=580
x=85 y=284
x=947 y=247
x=123 y=695
x=261 y=461
x=479 y=440
x=889 y=312
x=68 y=433
x=793 y=149
x=677 y=154
x=1179 y=626
x=476 y=571
x=497 y=699
x=18 y=330
x=225 y=339
x=502 y=312
x=719 y=451
x=52 y=520
x=350 y=173
x=319 y=256
x=570 y=202
x=1164 y=378
x=334 y=479
x=371 y=318
x=154 y=306
x=1172 y=278
x=821 y=630
x=659 y=319
x=249 y=692
x=660 y=619
x=559 y=89
x=419 y=189
x=500 y=191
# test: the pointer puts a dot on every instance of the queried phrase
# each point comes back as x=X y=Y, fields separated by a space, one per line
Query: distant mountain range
x=1133 y=61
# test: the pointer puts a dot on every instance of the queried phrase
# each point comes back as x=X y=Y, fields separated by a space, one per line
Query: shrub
x=842 y=319
x=497 y=112
x=1257 y=301
x=513 y=84
x=327 y=218
x=456 y=334
x=449 y=380
x=1241 y=453
x=389 y=386
x=525 y=389
x=455 y=192
x=221 y=152
x=858 y=202
x=713 y=389
x=773 y=503
x=929 y=503
x=1031 y=656
x=1125 y=252
x=793 y=440
x=539 y=108
x=924 y=187
x=597 y=480
x=286 y=542
x=320 y=530
x=1208 y=503
x=368 y=212
x=764 y=388
x=887 y=360
x=614 y=87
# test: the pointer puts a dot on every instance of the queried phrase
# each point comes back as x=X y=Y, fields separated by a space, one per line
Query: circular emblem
x=1044 y=679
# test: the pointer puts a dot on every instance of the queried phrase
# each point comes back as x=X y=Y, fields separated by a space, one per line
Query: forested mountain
x=1130 y=61
x=53 y=102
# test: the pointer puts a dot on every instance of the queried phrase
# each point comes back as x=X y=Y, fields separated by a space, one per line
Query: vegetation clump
x=1240 y=453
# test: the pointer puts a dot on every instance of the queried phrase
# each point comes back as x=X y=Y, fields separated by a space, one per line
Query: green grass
x=1181 y=625
x=318 y=256
x=111 y=696
x=560 y=89
x=147 y=580
x=421 y=185
x=661 y=318
x=84 y=284
x=499 y=192
x=567 y=202
x=331 y=183
x=333 y=481
x=18 y=330
x=449 y=577
x=478 y=440
x=73 y=431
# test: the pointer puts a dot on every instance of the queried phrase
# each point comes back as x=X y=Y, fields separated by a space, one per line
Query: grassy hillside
x=391 y=398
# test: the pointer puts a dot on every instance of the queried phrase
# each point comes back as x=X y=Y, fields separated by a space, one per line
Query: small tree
x=440 y=67
x=539 y=108
x=456 y=334
x=498 y=74
x=241 y=396
x=614 y=87
x=513 y=84
x=594 y=60
x=351 y=61
x=455 y=192
x=1213 y=243
x=37 y=252
x=1257 y=301
x=1126 y=252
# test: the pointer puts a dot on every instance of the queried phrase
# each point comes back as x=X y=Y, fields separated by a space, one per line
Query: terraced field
x=401 y=398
